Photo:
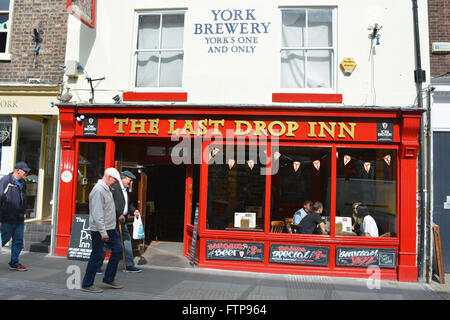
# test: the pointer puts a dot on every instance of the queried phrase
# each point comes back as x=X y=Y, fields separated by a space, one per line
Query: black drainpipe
x=419 y=76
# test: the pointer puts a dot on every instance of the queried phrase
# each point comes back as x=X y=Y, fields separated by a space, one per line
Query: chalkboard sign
x=298 y=254
x=234 y=250
x=194 y=238
x=365 y=257
x=80 y=245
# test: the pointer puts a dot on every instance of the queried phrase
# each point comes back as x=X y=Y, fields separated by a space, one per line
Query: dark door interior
x=166 y=188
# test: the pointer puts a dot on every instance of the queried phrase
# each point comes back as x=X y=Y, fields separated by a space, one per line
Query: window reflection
x=303 y=178
x=91 y=166
x=366 y=192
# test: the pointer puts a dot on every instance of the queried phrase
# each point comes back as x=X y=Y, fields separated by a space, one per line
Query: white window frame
x=7 y=55
x=333 y=49
x=135 y=51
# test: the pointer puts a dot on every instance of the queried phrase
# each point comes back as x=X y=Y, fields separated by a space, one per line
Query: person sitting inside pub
x=313 y=220
x=368 y=227
x=299 y=215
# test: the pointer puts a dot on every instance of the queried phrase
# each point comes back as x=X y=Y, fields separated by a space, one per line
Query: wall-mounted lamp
x=80 y=118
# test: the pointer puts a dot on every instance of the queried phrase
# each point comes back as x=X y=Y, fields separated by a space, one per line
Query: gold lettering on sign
x=172 y=127
x=216 y=124
x=260 y=126
x=140 y=126
x=238 y=131
x=330 y=131
x=154 y=126
x=312 y=132
x=350 y=131
x=292 y=126
x=277 y=133
x=121 y=122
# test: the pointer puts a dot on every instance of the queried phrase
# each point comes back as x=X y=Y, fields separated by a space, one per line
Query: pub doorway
x=158 y=192
x=166 y=198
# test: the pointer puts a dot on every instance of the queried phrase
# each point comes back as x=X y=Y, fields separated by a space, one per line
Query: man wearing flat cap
x=13 y=203
x=123 y=208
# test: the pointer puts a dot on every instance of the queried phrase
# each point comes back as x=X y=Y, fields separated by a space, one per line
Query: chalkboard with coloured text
x=80 y=245
x=299 y=254
x=234 y=250
x=366 y=257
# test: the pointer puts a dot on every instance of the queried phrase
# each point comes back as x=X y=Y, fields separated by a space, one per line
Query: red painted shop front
x=249 y=169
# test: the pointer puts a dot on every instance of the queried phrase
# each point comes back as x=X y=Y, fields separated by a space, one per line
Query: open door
x=138 y=196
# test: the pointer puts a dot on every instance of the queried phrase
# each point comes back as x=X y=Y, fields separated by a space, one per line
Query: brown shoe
x=113 y=285
x=92 y=289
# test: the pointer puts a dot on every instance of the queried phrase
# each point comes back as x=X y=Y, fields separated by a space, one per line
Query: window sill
x=155 y=96
x=5 y=57
x=307 y=97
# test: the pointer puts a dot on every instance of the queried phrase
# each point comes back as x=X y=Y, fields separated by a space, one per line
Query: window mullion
x=160 y=50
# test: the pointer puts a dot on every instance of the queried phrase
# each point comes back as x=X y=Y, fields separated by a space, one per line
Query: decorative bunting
x=296 y=165
x=231 y=163
x=347 y=159
x=214 y=152
x=387 y=159
x=367 y=166
x=276 y=155
x=317 y=164
x=250 y=164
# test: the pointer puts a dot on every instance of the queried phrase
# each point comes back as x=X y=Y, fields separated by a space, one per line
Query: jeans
x=16 y=232
x=97 y=257
x=129 y=258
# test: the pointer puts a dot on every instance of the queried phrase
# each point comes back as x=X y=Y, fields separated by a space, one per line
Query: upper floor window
x=158 y=53
x=308 y=49
x=5 y=26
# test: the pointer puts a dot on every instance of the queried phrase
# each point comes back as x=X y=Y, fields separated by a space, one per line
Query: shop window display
x=366 y=178
x=303 y=174
x=236 y=189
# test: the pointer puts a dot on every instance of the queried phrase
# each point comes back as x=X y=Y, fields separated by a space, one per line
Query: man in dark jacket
x=13 y=203
x=123 y=208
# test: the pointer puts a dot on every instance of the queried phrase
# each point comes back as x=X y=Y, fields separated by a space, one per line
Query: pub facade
x=231 y=117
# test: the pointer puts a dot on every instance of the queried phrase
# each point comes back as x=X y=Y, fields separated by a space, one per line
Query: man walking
x=123 y=207
x=13 y=203
x=102 y=224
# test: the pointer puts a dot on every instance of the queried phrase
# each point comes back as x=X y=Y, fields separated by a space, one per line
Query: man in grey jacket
x=102 y=224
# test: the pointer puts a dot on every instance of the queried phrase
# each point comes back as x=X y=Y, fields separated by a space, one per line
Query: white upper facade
x=242 y=52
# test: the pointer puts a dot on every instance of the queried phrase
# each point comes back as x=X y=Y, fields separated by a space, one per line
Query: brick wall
x=50 y=16
x=439 y=27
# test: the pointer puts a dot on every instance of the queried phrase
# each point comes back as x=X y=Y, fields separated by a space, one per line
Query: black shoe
x=133 y=269
x=99 y=271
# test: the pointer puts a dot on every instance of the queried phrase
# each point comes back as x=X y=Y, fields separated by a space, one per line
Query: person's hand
x=122 y=218
x=0 y=225
x=105 y=238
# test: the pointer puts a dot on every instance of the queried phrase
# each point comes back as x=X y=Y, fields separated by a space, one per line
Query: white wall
x=252 y=78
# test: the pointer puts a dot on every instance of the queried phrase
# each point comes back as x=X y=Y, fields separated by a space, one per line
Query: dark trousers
x=97 y=257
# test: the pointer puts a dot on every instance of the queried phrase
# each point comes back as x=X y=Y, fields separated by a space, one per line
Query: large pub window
x=91 y=166
x=301 y=174
x=236 y=188
x=367 y=178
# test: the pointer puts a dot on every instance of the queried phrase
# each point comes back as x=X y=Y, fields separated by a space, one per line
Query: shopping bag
x=138 y=228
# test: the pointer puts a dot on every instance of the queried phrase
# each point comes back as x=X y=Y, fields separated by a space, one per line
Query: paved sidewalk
x=52 y=278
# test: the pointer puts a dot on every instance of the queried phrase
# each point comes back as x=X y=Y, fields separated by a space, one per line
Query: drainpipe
x=419 y=77
x=428 y=253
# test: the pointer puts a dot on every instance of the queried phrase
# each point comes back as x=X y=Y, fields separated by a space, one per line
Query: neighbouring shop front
x=249 y=169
